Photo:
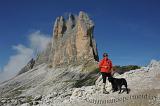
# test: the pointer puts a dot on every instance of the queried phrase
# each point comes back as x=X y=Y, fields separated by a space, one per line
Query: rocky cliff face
x=73 y=42
x=29 y=66
x=43 y=57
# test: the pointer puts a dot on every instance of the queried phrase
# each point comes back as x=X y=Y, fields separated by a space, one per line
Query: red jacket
x=105 y=62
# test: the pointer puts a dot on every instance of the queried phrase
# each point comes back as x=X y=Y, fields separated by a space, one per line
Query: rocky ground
x=144 y=85
x=43 y=84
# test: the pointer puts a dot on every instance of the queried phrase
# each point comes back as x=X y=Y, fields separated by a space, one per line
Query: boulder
x=26 y=104
x=38 y=97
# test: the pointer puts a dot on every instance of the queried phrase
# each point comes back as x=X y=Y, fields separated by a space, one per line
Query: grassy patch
x=50 y=66
x=123 y=69
x=16 y=92
x=90 y=79
x=29 y=99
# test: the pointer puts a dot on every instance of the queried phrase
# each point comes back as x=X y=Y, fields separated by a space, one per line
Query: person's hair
x=105 y=55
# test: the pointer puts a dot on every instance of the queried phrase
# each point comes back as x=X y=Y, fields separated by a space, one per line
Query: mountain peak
x=73 y=42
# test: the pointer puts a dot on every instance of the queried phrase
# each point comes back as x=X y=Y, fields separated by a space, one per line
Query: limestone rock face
x=73 y=41
x=43 y=57
x=28 y=67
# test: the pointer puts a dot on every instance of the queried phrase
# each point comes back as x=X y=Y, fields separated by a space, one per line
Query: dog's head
x=110 y=79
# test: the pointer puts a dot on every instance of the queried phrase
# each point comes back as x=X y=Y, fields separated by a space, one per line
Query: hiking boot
x=104 y=90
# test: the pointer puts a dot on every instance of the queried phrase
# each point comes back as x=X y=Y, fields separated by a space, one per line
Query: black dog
x=117 y=84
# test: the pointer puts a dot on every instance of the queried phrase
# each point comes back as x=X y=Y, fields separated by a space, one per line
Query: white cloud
x=38 y=41
x=23 y=54
x=16 y=62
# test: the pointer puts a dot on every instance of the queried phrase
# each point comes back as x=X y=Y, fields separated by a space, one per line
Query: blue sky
x=129 y=30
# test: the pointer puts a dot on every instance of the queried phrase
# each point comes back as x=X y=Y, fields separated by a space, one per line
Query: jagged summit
x=63 y=25
x=72 y=43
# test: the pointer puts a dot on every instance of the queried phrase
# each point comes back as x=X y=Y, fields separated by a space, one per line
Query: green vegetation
x=16 y=92
x=50 y=65
x=90 y=79
x=29 y=99
x=93 y=74
x=123 y=69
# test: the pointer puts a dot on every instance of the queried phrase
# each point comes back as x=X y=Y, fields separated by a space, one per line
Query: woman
x=105 y=66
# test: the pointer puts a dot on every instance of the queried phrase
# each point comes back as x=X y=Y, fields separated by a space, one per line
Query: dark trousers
x=104 y=75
